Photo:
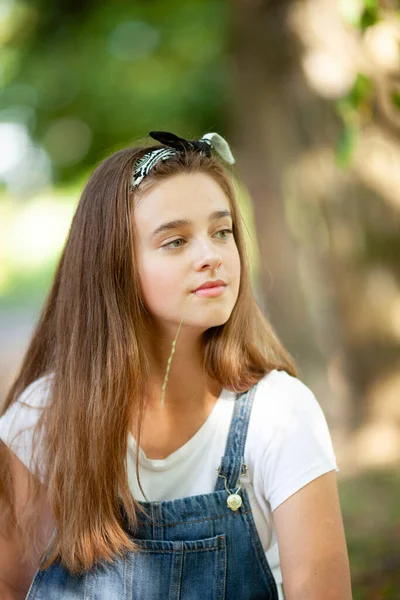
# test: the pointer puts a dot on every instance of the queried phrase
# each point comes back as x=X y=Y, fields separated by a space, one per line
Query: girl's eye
x=228 y=231
x=170 y=246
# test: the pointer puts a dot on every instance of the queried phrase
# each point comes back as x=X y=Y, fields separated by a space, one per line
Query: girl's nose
x=206 y=255
x=209 y=260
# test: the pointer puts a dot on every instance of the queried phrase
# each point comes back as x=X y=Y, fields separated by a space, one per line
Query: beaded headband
x=176 y=145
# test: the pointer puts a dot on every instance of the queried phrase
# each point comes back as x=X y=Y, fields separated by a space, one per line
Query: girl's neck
x=182 y=395
x=167 y=428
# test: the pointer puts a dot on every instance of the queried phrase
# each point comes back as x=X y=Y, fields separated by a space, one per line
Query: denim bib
x=195 y=548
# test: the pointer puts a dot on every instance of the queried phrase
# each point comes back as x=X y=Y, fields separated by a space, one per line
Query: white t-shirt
x=288 y=445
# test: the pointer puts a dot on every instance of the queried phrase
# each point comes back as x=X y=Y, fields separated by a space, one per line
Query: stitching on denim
x=88 y=586
x=219 y=543
x=239 y=439
x=235 y=425
x=172 y=551
x=242 y=512
x=261 y=557
x=35 y=585
x=222 y=567
x=125 y=575
x=177 y=576
x=225 y=571
x=236 y=441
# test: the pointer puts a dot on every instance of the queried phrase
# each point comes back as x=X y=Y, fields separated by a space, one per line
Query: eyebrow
x=218 y=214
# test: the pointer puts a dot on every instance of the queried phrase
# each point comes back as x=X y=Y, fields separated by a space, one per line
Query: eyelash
x=168 y=247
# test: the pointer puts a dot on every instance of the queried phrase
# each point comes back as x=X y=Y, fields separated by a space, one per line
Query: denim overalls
x=193 y=548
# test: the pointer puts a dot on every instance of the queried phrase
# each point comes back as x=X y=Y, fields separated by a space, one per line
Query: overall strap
x=232 y=462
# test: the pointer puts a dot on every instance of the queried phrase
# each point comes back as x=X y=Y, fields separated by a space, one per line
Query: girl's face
x=180 y=243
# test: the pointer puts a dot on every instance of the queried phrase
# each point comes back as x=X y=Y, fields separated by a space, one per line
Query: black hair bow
x=174 y=141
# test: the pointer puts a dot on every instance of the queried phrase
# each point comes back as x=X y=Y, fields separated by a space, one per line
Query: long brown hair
x=89 y=337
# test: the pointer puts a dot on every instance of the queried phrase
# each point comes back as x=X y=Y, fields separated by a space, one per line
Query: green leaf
x=396 y=99
x=346 y=145
x=369 y=16
x=371 y=4
x=361 y=90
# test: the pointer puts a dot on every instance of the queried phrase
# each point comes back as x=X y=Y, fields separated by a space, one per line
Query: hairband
x=176 y=145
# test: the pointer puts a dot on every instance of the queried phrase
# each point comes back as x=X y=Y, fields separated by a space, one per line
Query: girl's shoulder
x=36 y=394
x=289 y=442
x=279 y=394
x=23 y=414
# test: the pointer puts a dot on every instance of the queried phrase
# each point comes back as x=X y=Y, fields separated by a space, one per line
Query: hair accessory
x=175 y=145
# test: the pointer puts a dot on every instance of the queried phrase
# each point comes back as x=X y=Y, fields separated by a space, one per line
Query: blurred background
x=307 y=92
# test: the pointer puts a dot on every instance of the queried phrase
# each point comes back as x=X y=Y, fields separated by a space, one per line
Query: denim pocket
x=181 y=570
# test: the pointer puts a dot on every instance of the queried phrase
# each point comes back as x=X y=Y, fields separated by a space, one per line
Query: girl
x=157 y=442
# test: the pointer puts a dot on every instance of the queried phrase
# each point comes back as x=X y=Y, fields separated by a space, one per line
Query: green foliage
x=360 y=93
x=361 y=13
x=396 y=99
x=370 y=513
x=36 y=283
x=356 y=106
x=346 y=145
x=88 y=77
x=351 y=109
x=370 y=15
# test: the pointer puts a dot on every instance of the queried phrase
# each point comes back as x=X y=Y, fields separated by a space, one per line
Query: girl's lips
x=211 y=292
x=211 y=283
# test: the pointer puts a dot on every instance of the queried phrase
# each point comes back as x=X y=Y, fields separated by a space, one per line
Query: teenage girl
x=157 y=442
